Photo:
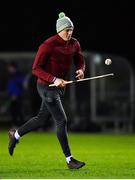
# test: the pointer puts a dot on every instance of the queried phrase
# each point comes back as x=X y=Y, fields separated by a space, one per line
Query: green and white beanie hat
x=63 y=22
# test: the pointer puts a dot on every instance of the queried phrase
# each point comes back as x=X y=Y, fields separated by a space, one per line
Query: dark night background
x=102 y=106
x=101 y=26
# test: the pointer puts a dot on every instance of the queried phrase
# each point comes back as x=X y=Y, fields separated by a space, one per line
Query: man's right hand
x=60 y=82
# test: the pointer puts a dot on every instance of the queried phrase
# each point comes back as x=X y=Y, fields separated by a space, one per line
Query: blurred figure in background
x=15 y=92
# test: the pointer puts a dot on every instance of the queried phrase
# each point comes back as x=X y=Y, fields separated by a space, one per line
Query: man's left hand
x=80 y=74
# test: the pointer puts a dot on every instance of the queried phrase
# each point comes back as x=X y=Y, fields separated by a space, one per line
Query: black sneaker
x=12 y=141
x=75 y=164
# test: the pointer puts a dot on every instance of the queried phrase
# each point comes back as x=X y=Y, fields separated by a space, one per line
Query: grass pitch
x=38 y=155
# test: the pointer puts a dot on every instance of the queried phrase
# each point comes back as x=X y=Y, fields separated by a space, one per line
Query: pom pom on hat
x=61 y=15
x=63 y=22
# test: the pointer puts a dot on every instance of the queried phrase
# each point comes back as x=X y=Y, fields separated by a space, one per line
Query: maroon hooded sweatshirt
x=55 y=57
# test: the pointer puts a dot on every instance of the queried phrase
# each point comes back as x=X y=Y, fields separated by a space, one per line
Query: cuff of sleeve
x=81 y=70
x=53 y=79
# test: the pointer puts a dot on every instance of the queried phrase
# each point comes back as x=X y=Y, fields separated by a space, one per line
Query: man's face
x=67 y=33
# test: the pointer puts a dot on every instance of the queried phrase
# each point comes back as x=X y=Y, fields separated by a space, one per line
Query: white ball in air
x=108 y=61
